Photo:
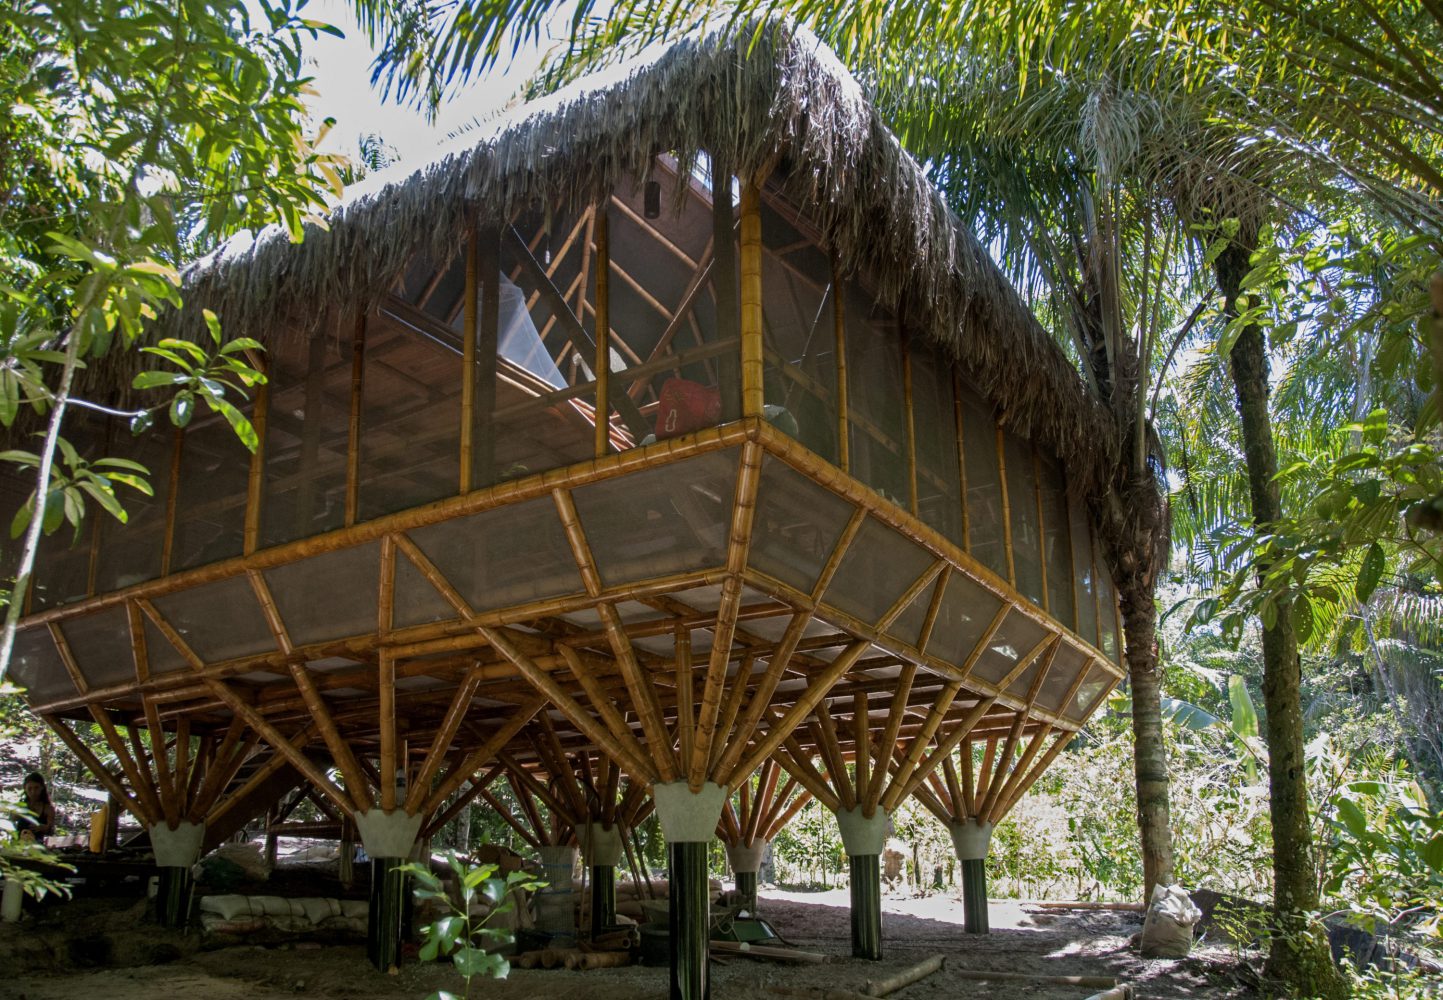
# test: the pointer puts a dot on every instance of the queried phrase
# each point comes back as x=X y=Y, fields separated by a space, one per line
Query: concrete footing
x=971 y=840
x=688 y=820
x=746 y=862
x=389 y=839
x=863 y=838
x=176 y=850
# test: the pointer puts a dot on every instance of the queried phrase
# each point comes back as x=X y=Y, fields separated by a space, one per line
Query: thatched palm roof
x=779 y=97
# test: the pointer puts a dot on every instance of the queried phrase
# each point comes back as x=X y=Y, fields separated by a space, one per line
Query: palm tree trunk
x=1299 y=957
x=1149 y=755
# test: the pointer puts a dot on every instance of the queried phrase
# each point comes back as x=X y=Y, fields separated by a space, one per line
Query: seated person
x=41 y=821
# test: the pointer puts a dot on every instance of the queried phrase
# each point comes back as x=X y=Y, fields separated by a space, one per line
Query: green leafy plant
x=462 y=934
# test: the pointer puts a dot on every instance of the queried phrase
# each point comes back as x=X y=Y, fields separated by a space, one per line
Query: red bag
x=686 y=406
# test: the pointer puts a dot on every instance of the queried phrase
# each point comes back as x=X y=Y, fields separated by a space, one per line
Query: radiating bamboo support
x=340 y=749
x=934 y=719
x=632 y=758
x=139 y=780
x=727 y=768
x=862 y=756
x=944 y=749
x=815 y=692
x=738 y=546
x=445 y=733
x=685 y=692
x=888 y=741
x=258 y=778
x=832 y=754
x=476 y=788
x=92 y=764
x=281 y=744
x=1004 y=765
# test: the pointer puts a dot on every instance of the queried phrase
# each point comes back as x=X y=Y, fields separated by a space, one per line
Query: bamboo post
x=259 y=420
x=386 y=712
x=172 y=500
x=1006 y=506
x=685 y=691
x=738 y=546
x=353 y=437
x=753 y=390
x=727 y=767
x=468 y=363
x=725 y=285
x=839 y=331
x=602 y=236
x=909 y=414
x=483 y=375
x=958 y=425
x=1041 y=529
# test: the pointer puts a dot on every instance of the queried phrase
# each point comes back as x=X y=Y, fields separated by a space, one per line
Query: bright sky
x=342 y=71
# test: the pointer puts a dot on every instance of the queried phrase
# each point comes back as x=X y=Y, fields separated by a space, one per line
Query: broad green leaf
x=1369 y=573
x=1352 y=817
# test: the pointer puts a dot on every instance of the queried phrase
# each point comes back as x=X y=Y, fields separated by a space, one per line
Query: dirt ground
x=1023 y=939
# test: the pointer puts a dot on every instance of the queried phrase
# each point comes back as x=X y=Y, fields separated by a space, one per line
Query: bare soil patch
x=162 y=965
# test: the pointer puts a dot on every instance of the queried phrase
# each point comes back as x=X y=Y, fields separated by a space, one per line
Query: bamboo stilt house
x=671 y=427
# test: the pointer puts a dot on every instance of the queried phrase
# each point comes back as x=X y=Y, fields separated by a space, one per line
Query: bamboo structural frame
x=530 y=574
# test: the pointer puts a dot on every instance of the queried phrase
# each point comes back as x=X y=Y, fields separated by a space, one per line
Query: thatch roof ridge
x=749 y=98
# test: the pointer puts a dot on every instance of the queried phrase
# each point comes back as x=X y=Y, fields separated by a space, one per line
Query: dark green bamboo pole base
x=386 y=918
x=866 y=906
x=974 y=896
x=172 y=897
x=747 y=890
x=690 y=921
x=603 y=898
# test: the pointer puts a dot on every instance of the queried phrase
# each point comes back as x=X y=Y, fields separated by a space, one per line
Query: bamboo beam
x=433 y=575
x=281 y=744
x=440 y=743
x=910 y=594
x=482 y=376
x=802 y=770
x=862 y=756
x=172 y=501
x=1004 y=765
x=461 y=801
x=1058 y=745
x=839 y=552
x=685 y=691
x=140 y=781
x=469 y=326
x=1019 y=772
x=738 y=548
x=909 y=415
x=1006 y=507
x=933 y=610
x=603 y=704
x=140 y=655
x=67 y=658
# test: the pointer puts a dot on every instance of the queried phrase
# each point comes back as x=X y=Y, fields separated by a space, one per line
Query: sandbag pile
x=236 y=914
